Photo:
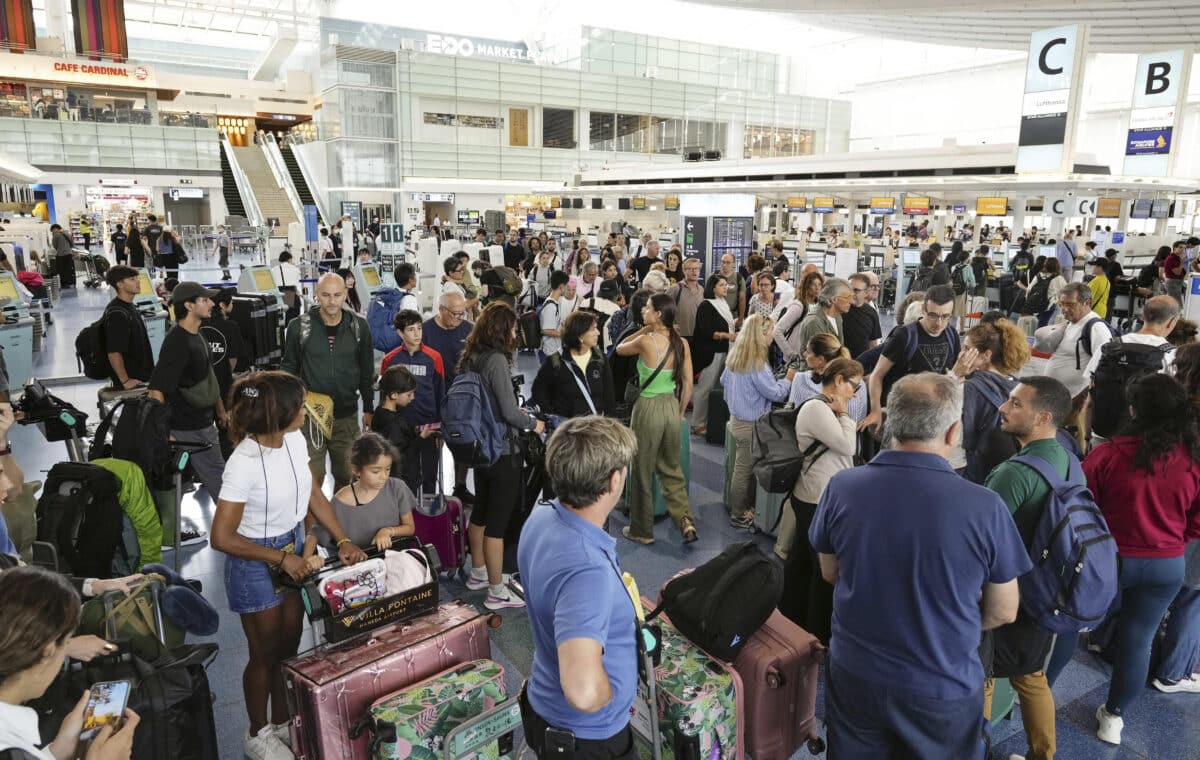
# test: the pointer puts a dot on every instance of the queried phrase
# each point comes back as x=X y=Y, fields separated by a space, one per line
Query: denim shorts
x=248 y=583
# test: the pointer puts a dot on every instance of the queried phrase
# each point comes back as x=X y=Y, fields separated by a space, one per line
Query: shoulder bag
x=633 y=391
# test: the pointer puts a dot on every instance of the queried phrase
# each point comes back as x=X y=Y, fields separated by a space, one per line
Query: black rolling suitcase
x=718 y=415
x=259 y=317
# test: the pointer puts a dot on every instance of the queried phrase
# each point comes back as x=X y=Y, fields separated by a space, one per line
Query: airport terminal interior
x=934 y=167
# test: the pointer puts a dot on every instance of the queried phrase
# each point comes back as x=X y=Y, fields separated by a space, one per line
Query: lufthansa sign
x=473 y=47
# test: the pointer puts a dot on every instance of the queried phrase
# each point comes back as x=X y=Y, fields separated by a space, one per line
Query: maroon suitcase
x=442 y=522
x=779 y=666
x=331 y=688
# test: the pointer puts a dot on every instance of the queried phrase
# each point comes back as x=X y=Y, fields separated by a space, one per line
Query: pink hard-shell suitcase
x=331 y=688
x=779 y=666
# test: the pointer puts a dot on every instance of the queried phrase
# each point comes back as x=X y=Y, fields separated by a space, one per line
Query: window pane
x=600 y=131
x=558 y=128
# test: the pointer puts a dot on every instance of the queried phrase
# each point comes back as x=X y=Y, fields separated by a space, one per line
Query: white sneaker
x=1189 y=685
x=282 y=732
x=265 y=745
x=502 y=602
x=1016 y=757
x=477 y=584
x=1110 y=726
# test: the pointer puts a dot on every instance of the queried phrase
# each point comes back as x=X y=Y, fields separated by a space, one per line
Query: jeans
x=867 y=720
x=1037 y=712
x=656 y=425
x=708 y=380
x=1181 y=644
x=741 y=494
x=1147 y=588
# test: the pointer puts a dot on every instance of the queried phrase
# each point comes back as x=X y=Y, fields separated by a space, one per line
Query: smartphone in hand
x=105 y=706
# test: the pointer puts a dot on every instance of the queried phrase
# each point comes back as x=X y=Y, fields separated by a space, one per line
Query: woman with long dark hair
x=1146 y=480
x=489 y=351
x=710 y=339
x=135 y=244
x=664 y=370
x=351 y=292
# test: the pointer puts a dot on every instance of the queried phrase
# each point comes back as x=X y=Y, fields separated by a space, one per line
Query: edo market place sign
x=477 y=47
x=77 y=71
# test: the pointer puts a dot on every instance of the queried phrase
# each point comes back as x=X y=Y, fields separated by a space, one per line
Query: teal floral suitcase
x=699 y=702
x=414 y=722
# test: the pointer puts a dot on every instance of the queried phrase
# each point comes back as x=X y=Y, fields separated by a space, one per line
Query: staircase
x=289 y=158
x=272 y=199
x=233 y=200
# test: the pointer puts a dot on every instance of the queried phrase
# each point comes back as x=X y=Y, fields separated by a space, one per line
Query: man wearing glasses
x=927 y=345
x=1074 y=341
x=861 y=320
x=446 y=332
x=832 y=304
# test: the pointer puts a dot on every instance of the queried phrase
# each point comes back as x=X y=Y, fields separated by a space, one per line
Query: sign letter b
x=1042 y=64
x=1156 y=77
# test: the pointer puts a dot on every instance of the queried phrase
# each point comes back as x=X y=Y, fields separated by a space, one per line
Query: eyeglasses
x=939 y=317
x=872 y=287
x=455 y=314
x=843 y=297
x=1067 y=303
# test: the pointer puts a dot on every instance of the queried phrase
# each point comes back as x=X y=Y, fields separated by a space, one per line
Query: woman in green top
x=657 y=417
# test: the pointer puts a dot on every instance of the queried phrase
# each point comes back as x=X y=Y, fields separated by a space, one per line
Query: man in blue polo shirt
x=426 y=366
x=446 y=332
x=922 y=561
x=584 y=675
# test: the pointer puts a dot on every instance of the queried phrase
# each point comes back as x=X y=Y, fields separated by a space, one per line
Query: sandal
x=688 y=530
x=636 y=539
x=699 y=430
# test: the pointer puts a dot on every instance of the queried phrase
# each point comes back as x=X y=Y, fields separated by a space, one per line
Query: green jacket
x=138 y=503
x=344 y=372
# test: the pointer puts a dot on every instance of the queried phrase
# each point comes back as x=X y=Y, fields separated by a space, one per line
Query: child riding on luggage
x=375 y=508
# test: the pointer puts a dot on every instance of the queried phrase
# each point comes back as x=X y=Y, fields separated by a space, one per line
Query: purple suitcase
x=442 y=522
x=331 y=688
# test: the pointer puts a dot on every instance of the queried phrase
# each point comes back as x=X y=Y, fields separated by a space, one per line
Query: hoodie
x=983 y=393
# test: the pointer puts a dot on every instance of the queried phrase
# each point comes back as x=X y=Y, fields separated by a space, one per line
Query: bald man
x=329 y=348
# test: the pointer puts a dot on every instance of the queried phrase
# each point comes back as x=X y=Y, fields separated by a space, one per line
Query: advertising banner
x=883 y=205
x=1052 y=76
x=1159 y=85
x=991 y=206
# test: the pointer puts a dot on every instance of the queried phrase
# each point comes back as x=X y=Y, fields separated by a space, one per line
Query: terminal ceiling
x=1116 y=26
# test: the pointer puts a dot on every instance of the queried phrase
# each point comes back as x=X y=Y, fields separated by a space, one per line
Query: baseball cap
x=609 y=289
x=190 y=291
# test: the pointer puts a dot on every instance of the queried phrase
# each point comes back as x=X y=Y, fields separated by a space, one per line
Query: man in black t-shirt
x=125 y=338
x=514 y=252
x=226 y=350
x=153 y=232
x=642 y=264
x=861 y=323
x=183 y=381
x=936 y=350
x=119 y=239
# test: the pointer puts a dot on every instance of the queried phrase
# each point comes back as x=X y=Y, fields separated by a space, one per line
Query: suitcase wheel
x=494 y=621
x=774 y=680
x=816 y=745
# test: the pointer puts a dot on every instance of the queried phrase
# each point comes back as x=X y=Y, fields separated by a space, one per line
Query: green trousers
x=337 y=446
x=656 y=426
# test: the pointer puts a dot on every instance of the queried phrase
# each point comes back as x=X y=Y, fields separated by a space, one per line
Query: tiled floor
x=1157 y=726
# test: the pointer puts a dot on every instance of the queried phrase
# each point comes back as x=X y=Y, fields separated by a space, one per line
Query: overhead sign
x=432 y=197
x=960 y=209
x=885 y=204
x=310 y=223
x=391 y=238
x=1158 y=90
x=353 y=209
x=1140 y=209
x=695 y=237
x=1108 y=208
x=916 y=204
x=134 y=76
x=671 y=203
x=639 y=204
x=1052 y=72
x=823 y=205
x=186 y=192
x=797 y=204
x=1082 y=205
x=1160 y=209
x=991 y=206
x=1056 y=207
x=479 y=47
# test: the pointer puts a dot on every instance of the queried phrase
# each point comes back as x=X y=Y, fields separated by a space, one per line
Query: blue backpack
x=469 y=424
x=1074 y=582
x=380 y=318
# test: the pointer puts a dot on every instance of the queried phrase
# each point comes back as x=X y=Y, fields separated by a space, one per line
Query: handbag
x=135 y=618
x=204 y=394
x=406 y=569
x=633 y=391
x=354 y=586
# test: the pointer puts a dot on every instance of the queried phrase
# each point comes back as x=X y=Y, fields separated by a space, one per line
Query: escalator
x=233 y=199
x=293 y=167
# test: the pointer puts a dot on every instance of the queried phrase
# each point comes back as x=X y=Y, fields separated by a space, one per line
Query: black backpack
x=922 y=281
x=80 y=513
x=142 y=434
x=722 y=603
x=1037 y=299
x=1120 y=364
x=957 y=280
x=90 y=351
